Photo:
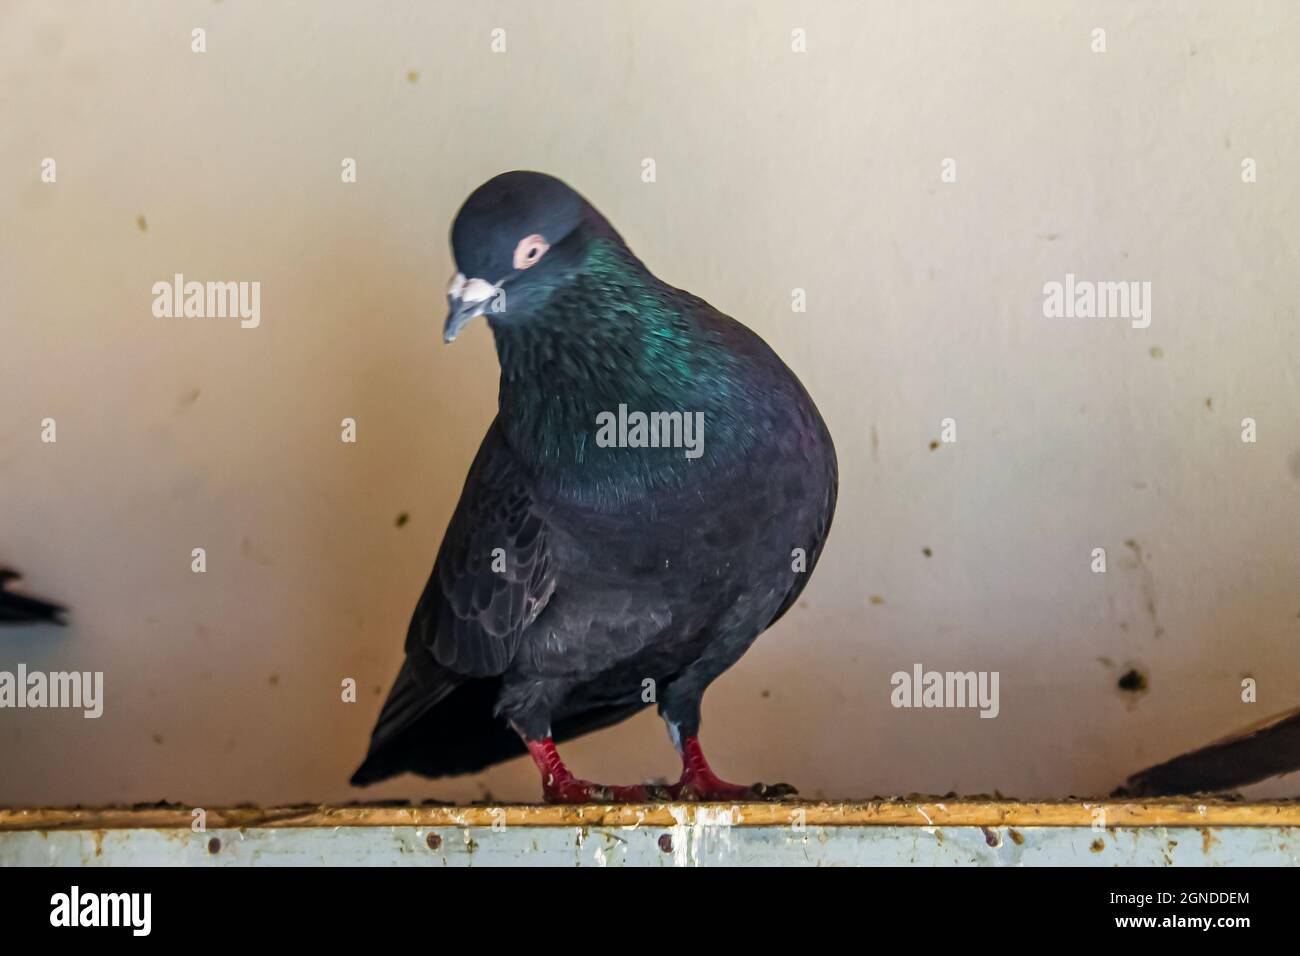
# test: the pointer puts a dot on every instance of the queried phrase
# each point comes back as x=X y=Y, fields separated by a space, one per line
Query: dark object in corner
x=1266 y=749
x=20 y=609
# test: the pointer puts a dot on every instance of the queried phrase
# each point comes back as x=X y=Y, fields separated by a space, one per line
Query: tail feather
x=437 y=724
x=441 y=724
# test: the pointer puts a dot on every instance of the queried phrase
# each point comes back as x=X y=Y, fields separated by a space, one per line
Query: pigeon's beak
x=466 y=300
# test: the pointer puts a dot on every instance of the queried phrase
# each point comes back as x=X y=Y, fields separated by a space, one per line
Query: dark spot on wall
x=765 y=694
x=1209 y=402
x=1293 y=464
x=1098 y=845
x=927 y=552
x=402 y=519
x=252 y=553
x=214 y=846
x=413 y=76
x=1016 y=837
x=141 y=224
x=190 y=397
x=1133 y=681
x=666 y=843
x=877 y=599
x=157 y=738
x=1157 y=352
x=934 y=446
x=433 y=841
x=1147 y=585
x=273 y=680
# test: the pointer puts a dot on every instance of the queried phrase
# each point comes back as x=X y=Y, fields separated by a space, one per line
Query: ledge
x=916 y=831
x=927 y=812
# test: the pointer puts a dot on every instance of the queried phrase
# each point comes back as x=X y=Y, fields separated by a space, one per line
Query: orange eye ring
x=530 y=251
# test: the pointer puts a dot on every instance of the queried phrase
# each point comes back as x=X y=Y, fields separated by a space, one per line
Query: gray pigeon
x=654 y=493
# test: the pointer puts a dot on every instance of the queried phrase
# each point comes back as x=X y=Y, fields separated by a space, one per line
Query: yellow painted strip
x=938 y=812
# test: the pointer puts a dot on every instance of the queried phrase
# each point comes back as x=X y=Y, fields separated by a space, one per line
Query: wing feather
x=493 y=574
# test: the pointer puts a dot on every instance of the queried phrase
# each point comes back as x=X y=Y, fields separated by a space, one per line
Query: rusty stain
x=991 y=838
x=1016 y=838
x=1207 y=839
x=666 y=843
x=433 y=841
x=1098 y=845
x=214 y=846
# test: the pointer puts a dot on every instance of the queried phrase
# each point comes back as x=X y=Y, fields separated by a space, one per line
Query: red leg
x=559 y=785
x=699 y=782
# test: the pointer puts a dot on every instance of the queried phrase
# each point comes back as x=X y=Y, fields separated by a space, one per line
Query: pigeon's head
x=515 y=239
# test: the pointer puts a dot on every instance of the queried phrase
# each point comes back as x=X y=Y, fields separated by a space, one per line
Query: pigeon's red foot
x=559 y=785
x=699 y=782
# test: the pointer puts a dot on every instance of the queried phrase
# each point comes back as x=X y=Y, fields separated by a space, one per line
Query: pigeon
x=1267 y=748
x=20 y=609
x=653 y=494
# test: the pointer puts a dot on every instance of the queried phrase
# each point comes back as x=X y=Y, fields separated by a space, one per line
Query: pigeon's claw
x=714 y=790
x=559 y=785
x=573 y=790
x=699 y=782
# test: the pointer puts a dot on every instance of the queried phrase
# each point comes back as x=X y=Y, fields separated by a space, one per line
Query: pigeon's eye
x=529 y=251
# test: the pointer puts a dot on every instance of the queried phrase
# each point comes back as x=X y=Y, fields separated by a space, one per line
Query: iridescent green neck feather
x=612 y=334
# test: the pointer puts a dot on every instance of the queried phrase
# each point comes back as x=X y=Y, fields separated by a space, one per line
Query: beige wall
x=775 y=171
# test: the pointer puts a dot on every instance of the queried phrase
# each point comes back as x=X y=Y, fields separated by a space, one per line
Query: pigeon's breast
x=715 y=558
